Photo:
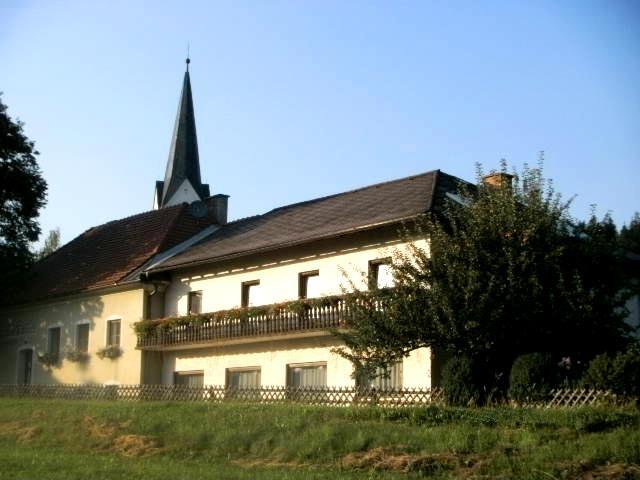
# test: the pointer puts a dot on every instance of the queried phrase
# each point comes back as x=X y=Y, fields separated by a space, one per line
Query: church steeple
x=182 y=182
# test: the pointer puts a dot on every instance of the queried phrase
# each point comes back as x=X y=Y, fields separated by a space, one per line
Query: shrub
x=458 y=382
x=532 y=376
x=600 y=373
x=620 y=374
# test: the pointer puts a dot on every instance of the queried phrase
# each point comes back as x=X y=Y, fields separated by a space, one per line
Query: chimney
x=498 y=180
x=218 y=208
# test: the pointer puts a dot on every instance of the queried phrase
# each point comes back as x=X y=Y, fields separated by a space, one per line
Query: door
x=25 y=363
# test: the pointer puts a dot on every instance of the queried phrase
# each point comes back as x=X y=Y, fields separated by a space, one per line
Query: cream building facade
x=76 y=322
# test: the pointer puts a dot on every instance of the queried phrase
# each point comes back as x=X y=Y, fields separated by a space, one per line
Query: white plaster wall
x=185 y=194
x=273 y=357
x=221 y=289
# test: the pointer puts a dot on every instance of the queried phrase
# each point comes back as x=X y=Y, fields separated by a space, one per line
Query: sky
x=299 y=99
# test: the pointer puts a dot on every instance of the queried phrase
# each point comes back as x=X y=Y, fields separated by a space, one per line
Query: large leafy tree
x=22 y=195
x=506 y=272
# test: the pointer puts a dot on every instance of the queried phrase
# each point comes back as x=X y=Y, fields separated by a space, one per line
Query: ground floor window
x=383 y=378
x=25 y=364
x=190 y=379
x=307 y=375
x=238 y=378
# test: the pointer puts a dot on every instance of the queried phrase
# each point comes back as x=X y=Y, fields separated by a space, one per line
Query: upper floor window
x=251 y=293
x=53 y=342
x=195 y=302
x=82 y=337
x=309 y=284
x=113 y=332
x=380 y=274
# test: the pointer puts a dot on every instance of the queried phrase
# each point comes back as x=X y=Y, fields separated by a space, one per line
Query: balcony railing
x=209 y=328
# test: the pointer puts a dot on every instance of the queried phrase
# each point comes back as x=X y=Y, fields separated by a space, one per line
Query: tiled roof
x=104 y=255
x=323 y=217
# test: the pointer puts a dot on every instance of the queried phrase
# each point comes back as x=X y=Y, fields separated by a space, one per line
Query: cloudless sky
x=301 y=99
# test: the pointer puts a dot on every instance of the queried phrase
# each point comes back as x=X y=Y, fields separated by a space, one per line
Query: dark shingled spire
x=183 y=162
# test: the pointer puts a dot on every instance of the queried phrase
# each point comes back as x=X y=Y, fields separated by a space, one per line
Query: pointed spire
x=183 y=163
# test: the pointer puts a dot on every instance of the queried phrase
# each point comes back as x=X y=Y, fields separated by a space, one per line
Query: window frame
x=190 y=296
x=291 y=366
x=108 y=335
x=303 y=279
x=246 y=291
x=231 y=370
x=77 y=336
x=187 y=373
x=49 y=343
x=374 y=269
x=375 y=382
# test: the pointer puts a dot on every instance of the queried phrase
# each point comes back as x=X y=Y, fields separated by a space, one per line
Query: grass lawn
x=155 y=440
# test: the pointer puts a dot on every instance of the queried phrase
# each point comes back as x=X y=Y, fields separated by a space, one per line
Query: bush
x=458 y=382
x=532 y=377
x=620 y=374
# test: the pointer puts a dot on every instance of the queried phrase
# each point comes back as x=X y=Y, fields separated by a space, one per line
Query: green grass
x=73 y=439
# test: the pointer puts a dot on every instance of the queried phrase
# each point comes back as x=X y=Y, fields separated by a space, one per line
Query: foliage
x=619 y=373
x=506 y=270
x=630 y=235
x=48 y=359
x=533 y=375
x=76 y=356
x=298 y=307
x=51 y=244
x=22 y=195
x=110 y=351
x=459 y=382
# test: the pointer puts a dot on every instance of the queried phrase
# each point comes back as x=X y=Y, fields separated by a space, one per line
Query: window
x=53 y=342
x=238 y=378
x=309 y=284
x=113 y=332
x=195 y=302
x=189 y=379
x=307 y=375
x=380 y=274
x=383 y=378
x=82 y=337
x=250 y=293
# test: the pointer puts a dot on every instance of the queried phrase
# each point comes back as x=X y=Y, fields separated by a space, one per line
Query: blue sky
x=296 y=100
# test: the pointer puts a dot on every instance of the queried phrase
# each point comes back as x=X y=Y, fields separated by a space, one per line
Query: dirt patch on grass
x=115 y=440
x=135 y=445
x=614 y=471
x=99 y=429
x=22 y=432
x=390 y=459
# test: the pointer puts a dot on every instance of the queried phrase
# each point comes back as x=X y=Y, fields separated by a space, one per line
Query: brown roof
x=323 y=217
x=104 y=255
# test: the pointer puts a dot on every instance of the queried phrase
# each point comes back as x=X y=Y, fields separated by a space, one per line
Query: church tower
x=182 y=182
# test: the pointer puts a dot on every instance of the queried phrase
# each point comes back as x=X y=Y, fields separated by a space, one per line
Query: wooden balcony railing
x=275 y=322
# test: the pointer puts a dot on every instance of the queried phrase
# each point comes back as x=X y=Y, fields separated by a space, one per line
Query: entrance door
x=25 y=362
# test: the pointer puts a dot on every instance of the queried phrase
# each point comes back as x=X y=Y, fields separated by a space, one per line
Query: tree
x=51 y=244
x=22 y=195
x=630 y=235
x=507 y=272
